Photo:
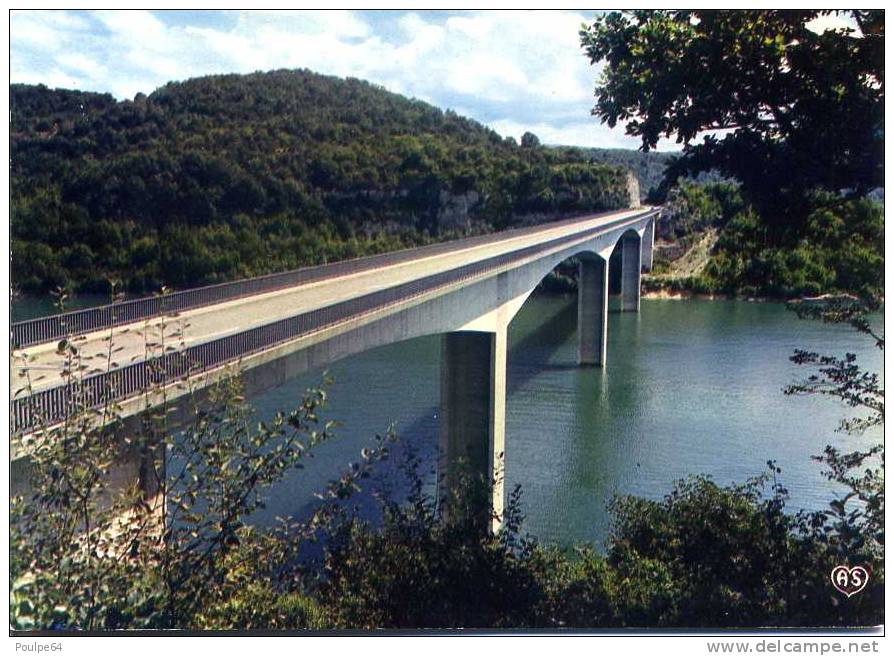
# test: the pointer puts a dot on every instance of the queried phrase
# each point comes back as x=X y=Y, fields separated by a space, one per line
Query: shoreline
x=683 y=295
x=678 y=295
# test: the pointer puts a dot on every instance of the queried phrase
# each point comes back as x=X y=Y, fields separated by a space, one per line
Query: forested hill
x=229 y=176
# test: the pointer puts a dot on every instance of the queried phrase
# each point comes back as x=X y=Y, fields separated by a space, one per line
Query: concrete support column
x=592 y=311
x=472 y=425
x=630 y=274
x=648 y=246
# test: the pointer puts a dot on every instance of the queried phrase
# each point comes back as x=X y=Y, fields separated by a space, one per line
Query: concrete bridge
x=275 y=327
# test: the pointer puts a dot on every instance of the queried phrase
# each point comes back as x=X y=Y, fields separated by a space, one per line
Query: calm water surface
x=32 y=307
x=691 y=387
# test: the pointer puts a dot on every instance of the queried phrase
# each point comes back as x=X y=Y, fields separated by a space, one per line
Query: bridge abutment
x=631 y=253
x=592 y=311
x=472 y=424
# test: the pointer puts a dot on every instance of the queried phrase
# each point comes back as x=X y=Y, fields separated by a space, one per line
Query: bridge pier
x=647 y=245
x=592 y=311
x=630 y=273
x=472 y=424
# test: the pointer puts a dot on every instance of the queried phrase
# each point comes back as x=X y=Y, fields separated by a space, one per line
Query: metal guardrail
x=78 y=322
x=53 y=405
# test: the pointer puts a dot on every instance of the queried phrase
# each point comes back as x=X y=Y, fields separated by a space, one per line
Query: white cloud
x=507 y=68
x=487 y=75
x=36 y=29
x=60 y=19
x=338 y=23
x=226 y=44
x=826 y=22
x=81 y=64
x=474 y=28
x=136 y=28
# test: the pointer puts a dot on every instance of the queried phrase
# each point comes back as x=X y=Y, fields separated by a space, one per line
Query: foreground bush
x=705 y=555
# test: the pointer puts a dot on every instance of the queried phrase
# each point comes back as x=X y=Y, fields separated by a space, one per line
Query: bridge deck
x=45 y=365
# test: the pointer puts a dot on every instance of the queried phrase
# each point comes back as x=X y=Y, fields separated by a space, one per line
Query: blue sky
x=514 y=71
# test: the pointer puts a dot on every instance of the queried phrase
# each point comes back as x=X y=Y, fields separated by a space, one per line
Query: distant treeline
x=647 y=167
x=229 y=176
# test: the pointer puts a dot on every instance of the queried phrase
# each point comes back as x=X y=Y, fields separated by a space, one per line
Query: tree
x=782 y=108
x=858 y=517
x=529 y=140
x=184 y=173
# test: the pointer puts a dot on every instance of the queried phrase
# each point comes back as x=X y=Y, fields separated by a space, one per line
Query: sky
x=514 y=71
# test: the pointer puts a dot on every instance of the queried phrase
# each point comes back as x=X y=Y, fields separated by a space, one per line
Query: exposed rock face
x=455 y=210
x=633 y=189
x=460 y=212
x=669 y=251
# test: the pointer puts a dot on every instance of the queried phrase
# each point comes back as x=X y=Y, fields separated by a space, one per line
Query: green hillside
x=228 y=176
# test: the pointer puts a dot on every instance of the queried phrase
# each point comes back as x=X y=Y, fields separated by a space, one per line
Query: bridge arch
x=477 y=354
x=617 y=248
x=473 y=321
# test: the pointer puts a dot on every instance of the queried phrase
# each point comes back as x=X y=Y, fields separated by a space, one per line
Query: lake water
x=32 y=307
x=691 y=387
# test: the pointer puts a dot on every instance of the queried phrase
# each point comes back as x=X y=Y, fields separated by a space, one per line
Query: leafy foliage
x=648 y=167
x=180 y=552
x=858 y=517
x=794 y=116
x=235 y=175
x=691 y=208
x=839 y=250
x=138 y=525
x=800 y=111
x=703 y=556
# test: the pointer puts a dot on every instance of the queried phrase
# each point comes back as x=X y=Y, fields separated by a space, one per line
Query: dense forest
x=229 y=176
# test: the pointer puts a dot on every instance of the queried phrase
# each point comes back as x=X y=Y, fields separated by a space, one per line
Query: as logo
x=850 y=580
